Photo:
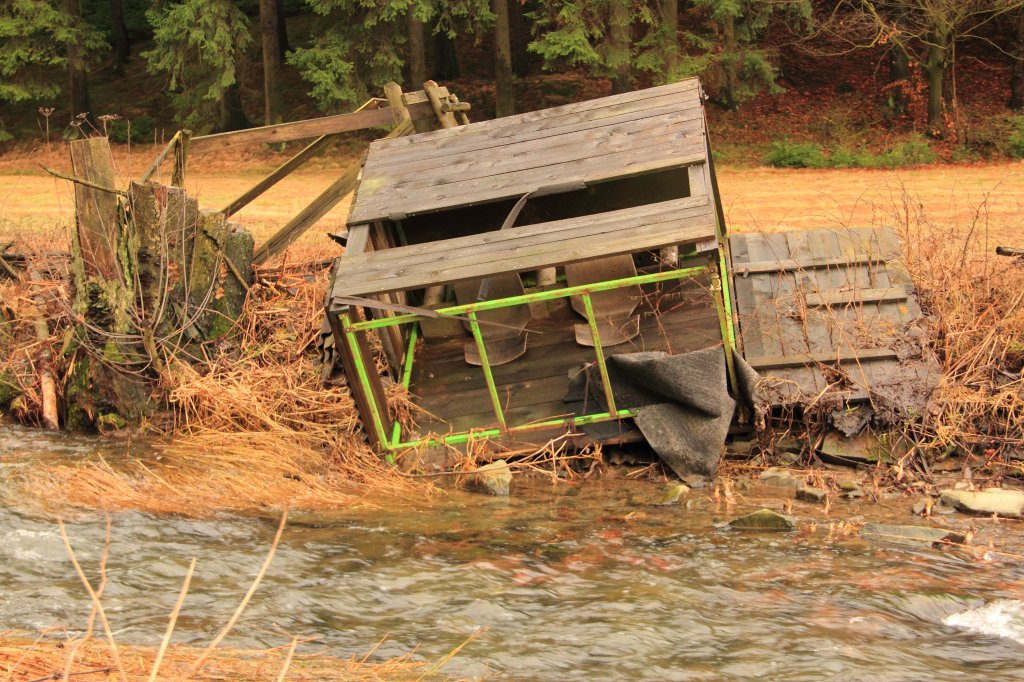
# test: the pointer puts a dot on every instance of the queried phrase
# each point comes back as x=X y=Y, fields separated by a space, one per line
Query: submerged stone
x=494 y=478
x=763 y=519
x=1008 y=503
x=810 y=493
x=780 y=478
x=672 y=494
x=896 y=533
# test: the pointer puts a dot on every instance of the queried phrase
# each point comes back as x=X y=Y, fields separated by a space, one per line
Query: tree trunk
x=504 y=94
x=232 y=116
x=899 y=72
x=670 y=15
x=520 y=38
x=1017 y=69
x=78 y=77
x=730 y=60
x=283 y=45
x=446 y=62
x=619 y=44
x=935 y=70
x=417 y=53
x=272 y=100
x=122 y=45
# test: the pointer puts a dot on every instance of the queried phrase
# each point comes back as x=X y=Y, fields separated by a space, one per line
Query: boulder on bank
x=1008 y=503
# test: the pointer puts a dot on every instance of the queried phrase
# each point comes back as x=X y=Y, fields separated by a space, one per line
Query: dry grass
x=252 y=428
x=24 y=658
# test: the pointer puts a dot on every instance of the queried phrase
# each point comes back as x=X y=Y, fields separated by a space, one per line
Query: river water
x=578 y=580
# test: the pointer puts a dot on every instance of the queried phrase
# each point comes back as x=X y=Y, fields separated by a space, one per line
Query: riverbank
x=590 y=577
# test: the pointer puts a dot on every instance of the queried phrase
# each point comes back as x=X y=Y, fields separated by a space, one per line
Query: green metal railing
x=394 y=443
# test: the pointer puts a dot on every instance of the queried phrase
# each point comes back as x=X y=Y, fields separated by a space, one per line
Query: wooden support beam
x=446 y=119
x=856 y=297
x=299 y=130
x=279 y=174
x=305 y=219
x=827 y=358
x=792 y=264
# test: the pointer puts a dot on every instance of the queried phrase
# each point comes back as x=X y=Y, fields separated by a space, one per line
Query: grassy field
x=988 y=196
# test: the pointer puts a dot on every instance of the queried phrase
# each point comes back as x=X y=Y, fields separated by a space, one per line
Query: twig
x=245 y=600
x=288 y=659
x=173 y=620
x=103 y=576
x=95 y=600
x=57 y=676
x=82 y=181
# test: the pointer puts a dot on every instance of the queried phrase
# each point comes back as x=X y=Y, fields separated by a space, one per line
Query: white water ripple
x=1002 y=618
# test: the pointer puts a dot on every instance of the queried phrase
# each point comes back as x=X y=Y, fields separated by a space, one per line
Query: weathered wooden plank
x=498 y=179
x=299 y=130
x=672 y=116
x=833 y=357
x=857 y=297
x=277 y=175
x=625 y=219
x=534 y=149
x=529 y=252
x=397 y=205
x=743 y=295
x=637 y=99
x=96 y=211
x=789 y=265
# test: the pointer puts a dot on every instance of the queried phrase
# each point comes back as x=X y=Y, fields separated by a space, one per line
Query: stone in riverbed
x=763 y=519
x=810 y=493
x=494 y=478
x=893 y=533
x=779 y=478
x=672 y=494
x=1008 y=503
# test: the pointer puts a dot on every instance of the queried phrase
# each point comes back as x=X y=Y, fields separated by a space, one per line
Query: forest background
x=794 y=83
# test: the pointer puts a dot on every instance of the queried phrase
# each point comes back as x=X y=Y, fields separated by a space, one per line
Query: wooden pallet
x=829 y=310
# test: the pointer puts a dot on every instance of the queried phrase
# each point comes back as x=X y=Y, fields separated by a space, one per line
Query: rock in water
x=672 y=493
x=763 y=519
x=894 y=533
x=494 y=478
x=810 y=493
x=1008 y=503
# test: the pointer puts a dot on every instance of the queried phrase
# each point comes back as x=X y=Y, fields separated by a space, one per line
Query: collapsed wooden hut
x=546 y=244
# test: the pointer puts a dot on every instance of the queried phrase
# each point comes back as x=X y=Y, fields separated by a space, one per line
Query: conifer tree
x=199 y=44
x=36 y=37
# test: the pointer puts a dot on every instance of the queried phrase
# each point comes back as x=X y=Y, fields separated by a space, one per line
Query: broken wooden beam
x=856 y=297
x=300 y=130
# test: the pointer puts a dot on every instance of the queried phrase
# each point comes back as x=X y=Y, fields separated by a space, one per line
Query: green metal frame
x=720 y=295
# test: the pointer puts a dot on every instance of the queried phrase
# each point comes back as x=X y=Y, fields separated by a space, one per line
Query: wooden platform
x=829 y=310
x=612 y=137
x=532 y=387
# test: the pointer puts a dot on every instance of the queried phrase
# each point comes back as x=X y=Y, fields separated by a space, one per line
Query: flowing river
x=577 y=580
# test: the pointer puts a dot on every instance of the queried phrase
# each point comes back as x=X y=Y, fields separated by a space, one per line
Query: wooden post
x=180 y=158
x=96 y=210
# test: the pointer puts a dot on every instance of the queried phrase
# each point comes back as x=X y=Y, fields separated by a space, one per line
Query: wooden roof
x=612 y=137
x=517 y=249
x=814 y=302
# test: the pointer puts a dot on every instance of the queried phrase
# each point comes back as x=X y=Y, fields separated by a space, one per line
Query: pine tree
x=199 y=44
x=359 y=45
x=35 y=37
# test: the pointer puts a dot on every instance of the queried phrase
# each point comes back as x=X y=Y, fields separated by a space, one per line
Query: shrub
x=140 y=129
x=1015 y=139
x=914 y=151
x=789 y=154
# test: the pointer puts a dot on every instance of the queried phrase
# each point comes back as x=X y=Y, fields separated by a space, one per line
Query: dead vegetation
x=252 y=426
x=975 y=303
